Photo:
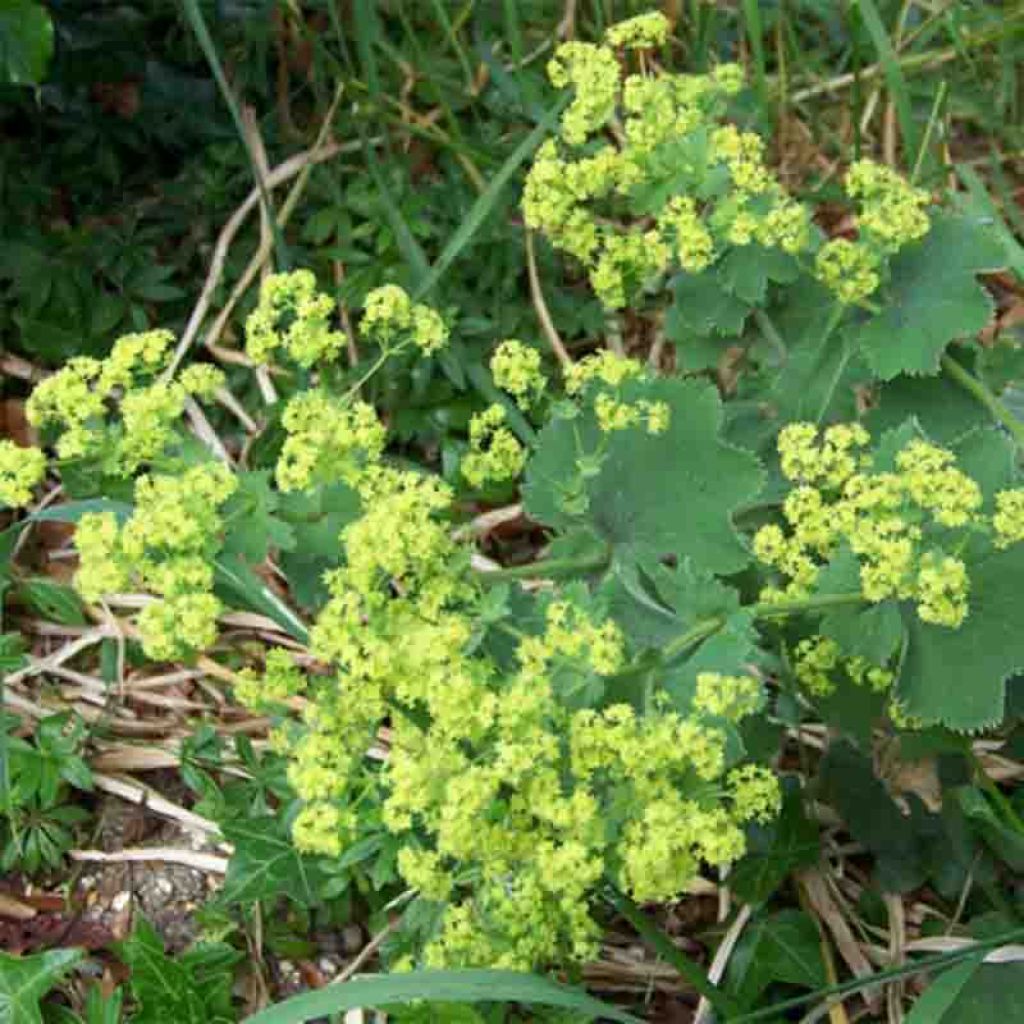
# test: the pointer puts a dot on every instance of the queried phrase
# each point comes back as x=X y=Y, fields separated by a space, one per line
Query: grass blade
x=474 y=986
x=755 y=35
x=893 y=76
x=206 y=44
x=485 y=203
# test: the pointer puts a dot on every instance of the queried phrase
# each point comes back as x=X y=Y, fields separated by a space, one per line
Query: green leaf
x=778 y=948
x=266 y=864
x=470 y=986
x=54 y=601
x=672 y=493
x=932 y=299
x=187 y=990
x=944 y=410
x=849 y=784
x=957 y=676
x=994 y=992
x=24 y=980
x=817 y=379
x=701 y=307
x=747 y=269
x=26 y=42
x=486 y=202
x=874 y=632
x=776 y=850
x=241 y=587
x=1004 y=841
x=253 y=527
x=931 y=1007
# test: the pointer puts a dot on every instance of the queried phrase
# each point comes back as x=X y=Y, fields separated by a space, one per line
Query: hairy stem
x=974 y=387
x=547 y=569
x=672 y=954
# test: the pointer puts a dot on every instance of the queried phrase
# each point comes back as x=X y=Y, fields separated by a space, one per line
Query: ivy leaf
x=192 y=989
x=778 y=948
x=24 y=980
x=933 y=297
x=671 y=493
x=266 y=864
x=775 y=850
x=957 y=676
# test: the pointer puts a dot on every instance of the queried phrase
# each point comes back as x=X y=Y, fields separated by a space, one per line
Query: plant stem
x=546 y=569
x=1013 y=819
x=672 y=954
x=973 y=386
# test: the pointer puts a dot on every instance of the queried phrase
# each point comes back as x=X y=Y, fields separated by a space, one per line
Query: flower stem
x=547 y=569
x=672 y=954
x=974 y=387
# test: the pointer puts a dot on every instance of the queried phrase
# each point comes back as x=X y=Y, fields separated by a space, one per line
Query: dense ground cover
x=498 y=488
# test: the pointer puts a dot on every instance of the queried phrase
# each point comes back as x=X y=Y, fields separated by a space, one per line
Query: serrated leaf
x=933 y=298
x=266 y=864
x=747 y=269
x=24 y=980
x=253 y=527
x=944 y=410
x=957 y=676
x=816 y=380
x=874 y=632
x=702 y=306
x=671 y=493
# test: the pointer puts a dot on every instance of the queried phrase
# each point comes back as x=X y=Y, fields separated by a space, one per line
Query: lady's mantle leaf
x=957 y=676
x=932 y=299
x=670 y=493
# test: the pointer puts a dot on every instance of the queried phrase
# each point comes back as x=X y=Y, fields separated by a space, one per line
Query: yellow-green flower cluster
x=892 y=212
x=849 y=269
x=280 y=680
x=730 y=697
x=1008 y=520
x=589 y=191
x=593 y=71
x=609 y=372
x=639 y=33
x=818 y=664
x=512 y=802
x=898 y=523
x=494 y=453
x=76 y=400
x=891 y=215
x=516 y=368
x=166 y=547
x=328 y=439
x=20 y=470
x=294 y=317
x=392 y=320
